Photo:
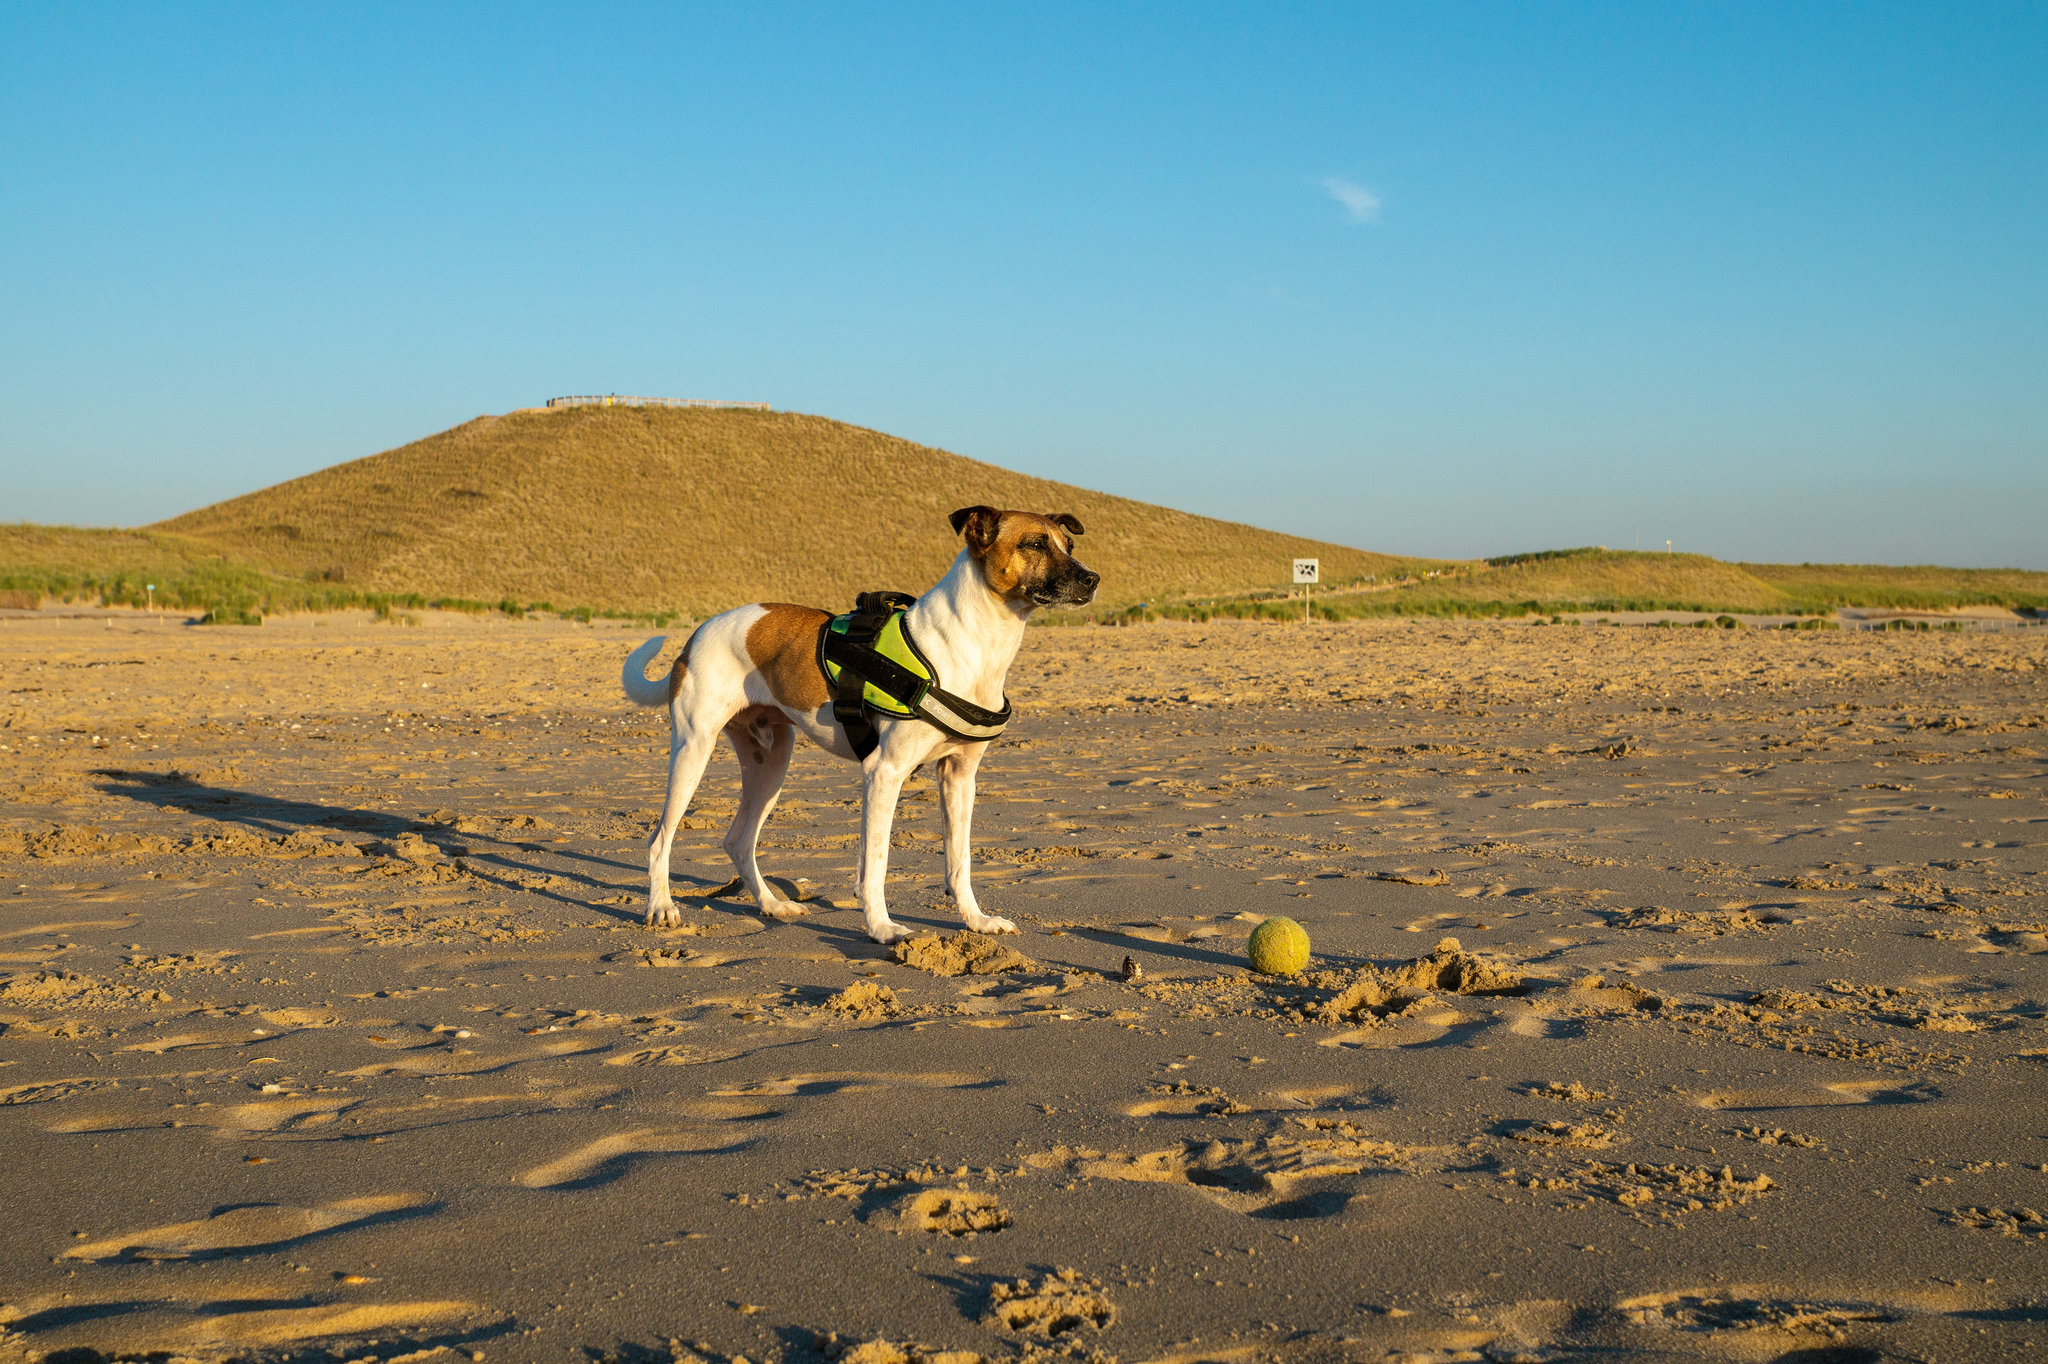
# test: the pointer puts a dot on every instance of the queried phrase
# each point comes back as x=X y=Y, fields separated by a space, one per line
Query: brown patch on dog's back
x=784 y=647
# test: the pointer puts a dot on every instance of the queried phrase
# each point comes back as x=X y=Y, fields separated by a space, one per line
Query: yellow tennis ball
x=1279 y=947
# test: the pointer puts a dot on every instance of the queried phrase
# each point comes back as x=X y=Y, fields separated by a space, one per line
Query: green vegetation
x=117 y=568
x=69 y=564
x=1555 y=582
x=1823 y=587
x=1538 y=556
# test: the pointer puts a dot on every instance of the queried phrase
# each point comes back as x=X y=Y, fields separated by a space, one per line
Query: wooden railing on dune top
x=625 y=400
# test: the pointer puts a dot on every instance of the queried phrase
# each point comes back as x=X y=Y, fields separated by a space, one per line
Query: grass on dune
x=644 y=509
x=1913 y=588
x=1622 y=581
x=1594 y=580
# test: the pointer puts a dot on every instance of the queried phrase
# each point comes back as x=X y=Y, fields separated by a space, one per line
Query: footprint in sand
x=1276 y=1177
x=671 y=1056
x=943 y=1212
x=1541 y=1023
x=608 y=1158
x=261 y=1226
x=65 y=927
x=2028 y=940
x=852 y=1081
x=1206 y=1101
x=1842 y=1094
x=49 y=1090
x=1194 y=930
x=1270 y=1197
x=302 y=1018
x=1736 y=1311
x=1432 y=1025
x=1185 y=1101
x=1884 y=1092
x=1318 y=1098
x=435 y=1061
x=729 y=1110
x=1220 y=1354
x=284 y=1115
x=131 y=1329
x=267 y=1115
x=208 y=1041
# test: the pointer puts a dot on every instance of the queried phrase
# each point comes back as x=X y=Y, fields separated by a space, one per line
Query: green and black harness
x=873 y=667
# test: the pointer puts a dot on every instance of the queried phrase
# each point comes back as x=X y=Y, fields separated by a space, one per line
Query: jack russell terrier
x=758 y=674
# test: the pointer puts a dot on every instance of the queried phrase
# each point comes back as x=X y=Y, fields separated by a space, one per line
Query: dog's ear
x=1066 y=521
x=978 y=524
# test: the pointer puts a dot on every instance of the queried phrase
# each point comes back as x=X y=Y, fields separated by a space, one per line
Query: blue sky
x=1769 y=281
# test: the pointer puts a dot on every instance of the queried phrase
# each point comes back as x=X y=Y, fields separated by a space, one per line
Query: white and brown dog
x=753 y=673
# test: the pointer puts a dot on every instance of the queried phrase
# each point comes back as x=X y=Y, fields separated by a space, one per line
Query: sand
x=1676 y=995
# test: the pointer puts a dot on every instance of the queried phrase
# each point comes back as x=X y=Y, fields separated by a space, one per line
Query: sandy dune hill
x=695 y=510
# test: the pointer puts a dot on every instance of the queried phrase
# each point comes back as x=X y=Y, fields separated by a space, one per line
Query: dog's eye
x=1037 y=542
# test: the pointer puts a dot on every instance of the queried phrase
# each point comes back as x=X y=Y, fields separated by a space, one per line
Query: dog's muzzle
x=1073 y=589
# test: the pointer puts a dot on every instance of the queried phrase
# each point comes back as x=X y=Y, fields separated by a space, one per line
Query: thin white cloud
x=1361 y=205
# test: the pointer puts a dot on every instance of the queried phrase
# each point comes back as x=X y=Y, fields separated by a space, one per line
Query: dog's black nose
x=1089 y=579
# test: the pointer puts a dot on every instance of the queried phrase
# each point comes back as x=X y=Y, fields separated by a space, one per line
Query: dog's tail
x=641 y=689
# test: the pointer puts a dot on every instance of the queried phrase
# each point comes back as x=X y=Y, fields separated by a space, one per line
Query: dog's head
x=1026 y=557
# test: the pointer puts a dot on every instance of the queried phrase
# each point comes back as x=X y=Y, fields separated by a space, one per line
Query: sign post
x=1306 y=571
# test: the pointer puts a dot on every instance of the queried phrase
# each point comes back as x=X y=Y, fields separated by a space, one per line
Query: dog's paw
x=889 y=933
x=989 y=923
x=784 y=910
x=664 y=916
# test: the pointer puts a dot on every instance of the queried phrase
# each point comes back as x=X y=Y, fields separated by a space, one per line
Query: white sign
x=1307 y=570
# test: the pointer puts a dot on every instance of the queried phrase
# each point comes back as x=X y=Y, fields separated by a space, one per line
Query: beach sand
x=329 y=1028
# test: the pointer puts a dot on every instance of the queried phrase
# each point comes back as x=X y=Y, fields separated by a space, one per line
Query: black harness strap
x=860 y=665
x=854 y=652
x=865 y=664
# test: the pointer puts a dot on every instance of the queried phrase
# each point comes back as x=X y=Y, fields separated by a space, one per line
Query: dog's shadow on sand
x=494 y=858
x=274 y=815
x=1110 y=937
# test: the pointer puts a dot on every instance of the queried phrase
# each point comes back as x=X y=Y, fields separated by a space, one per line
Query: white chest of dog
x=752 y=674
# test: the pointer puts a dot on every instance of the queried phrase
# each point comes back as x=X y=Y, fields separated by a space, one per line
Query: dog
x=753 y=674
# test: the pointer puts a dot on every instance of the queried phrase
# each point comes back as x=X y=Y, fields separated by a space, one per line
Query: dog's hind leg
x=764 y=747
x=689 y=750
x=956 y=804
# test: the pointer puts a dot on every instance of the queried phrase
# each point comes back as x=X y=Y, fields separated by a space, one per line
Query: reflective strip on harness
x=934 y=708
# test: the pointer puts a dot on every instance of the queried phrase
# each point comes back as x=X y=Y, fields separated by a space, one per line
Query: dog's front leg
x=956 y=803
x=881 y=784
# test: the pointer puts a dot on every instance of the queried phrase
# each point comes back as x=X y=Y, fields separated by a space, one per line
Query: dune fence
x=628 y=400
